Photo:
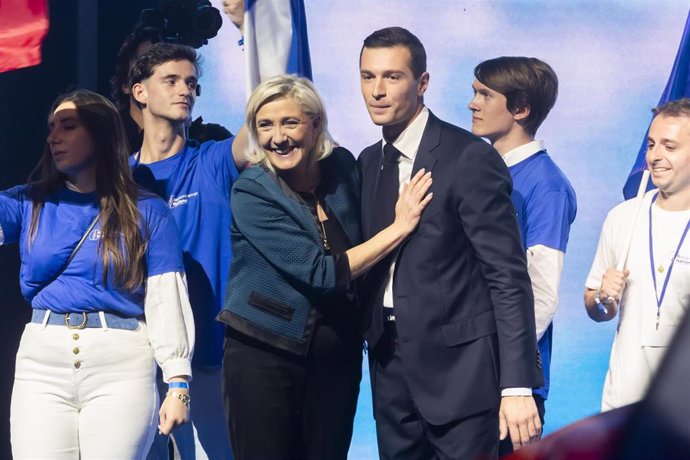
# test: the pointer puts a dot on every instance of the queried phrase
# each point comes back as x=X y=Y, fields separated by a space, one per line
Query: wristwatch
x=602 y=304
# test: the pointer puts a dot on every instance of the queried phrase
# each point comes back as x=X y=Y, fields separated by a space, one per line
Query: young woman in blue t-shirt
x=102 y=268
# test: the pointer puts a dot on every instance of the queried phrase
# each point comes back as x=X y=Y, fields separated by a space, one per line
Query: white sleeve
x=516 y=391
x=170 y=323
x=605 y=256
x=544 y=266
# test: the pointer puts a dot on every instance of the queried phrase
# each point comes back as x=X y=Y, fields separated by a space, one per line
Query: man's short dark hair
x=524 y=81
x=397 y=36
x=159 y=54
x=678 y=108
x=125 y=58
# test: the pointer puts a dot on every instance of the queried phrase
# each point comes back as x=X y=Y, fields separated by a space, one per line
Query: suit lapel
x=430 y=140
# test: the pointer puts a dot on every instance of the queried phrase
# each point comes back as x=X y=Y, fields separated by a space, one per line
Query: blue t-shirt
x=64 y=218
x=196 y=184
x=546 y=206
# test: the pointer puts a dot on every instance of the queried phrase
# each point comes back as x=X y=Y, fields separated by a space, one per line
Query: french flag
x=678 y=86
x=275 y=40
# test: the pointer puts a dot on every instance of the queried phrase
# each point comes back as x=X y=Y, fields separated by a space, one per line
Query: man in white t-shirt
x=653 y=291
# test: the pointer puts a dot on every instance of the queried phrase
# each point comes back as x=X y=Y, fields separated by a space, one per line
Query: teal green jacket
x=280 y=270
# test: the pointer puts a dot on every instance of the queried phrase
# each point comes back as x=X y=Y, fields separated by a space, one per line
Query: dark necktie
x=383 y=214
x=386 y=190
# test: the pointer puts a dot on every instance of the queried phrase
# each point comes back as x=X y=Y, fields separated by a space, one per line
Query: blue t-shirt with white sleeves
x=546 y=205
x=196 y=183
x=64 y=218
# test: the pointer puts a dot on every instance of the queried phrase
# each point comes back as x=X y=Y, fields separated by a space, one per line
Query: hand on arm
x=519 y=418
x=612 y=285
x=408 y=211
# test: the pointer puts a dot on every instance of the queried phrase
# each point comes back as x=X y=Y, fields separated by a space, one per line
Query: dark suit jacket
x=463 y=300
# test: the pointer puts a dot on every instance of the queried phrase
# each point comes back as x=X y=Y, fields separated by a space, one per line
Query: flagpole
x=620 y=266
x=638 y=206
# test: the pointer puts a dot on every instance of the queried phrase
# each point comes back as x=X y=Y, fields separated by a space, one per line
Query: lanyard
x=660 y=298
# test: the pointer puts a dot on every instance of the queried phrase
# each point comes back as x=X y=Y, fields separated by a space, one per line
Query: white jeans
x=83 y=393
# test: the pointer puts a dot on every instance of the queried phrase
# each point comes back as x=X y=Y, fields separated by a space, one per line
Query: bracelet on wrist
x=185 y=399
x=603 y=303
x=182 y=385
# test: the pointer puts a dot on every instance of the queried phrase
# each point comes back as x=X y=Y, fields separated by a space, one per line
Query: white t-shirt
x=639 y=346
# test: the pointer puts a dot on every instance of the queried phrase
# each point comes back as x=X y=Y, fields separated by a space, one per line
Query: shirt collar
x=408 y=141
x=523 y=152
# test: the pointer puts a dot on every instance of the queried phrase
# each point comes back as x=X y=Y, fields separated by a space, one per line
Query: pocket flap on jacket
x=469 y=329
x=271 y=306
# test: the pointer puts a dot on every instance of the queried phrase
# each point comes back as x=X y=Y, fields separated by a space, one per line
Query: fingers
x=418 y=176
x=172 y=413
x=519 y=418
x=165 y=425
x=518 y=436
x=412 y=201
x=522 y=433
x=423 y=185
x=613 y=283
x=426 y=200
x=534 y=428
x=502 y=426
x=418 y=186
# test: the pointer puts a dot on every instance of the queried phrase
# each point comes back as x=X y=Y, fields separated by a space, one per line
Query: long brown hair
x=122 y=245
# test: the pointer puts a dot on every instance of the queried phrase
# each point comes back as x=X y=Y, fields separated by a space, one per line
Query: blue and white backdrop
x=613 y=59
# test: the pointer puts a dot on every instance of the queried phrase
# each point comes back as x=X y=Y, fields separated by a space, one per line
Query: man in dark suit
x=450 y=314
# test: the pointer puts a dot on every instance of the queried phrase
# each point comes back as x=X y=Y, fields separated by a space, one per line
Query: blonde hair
x=307 y=97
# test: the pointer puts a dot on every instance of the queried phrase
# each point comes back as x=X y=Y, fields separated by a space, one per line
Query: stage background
x=612 y=58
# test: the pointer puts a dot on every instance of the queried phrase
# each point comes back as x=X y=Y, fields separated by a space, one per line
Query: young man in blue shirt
x=512 y=97
x=195 y=180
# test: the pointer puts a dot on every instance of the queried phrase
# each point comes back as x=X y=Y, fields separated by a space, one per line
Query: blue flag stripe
x=678 y=86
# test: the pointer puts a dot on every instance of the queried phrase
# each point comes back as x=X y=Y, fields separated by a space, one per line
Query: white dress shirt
x=408 y=143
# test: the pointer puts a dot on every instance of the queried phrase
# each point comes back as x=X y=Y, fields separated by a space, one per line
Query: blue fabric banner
x=275 y=40
x=678 y=86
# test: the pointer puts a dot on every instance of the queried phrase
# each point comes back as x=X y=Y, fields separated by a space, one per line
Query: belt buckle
x=75 y=326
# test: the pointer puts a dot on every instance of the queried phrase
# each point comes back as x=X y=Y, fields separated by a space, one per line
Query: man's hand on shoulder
x=518 y=418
